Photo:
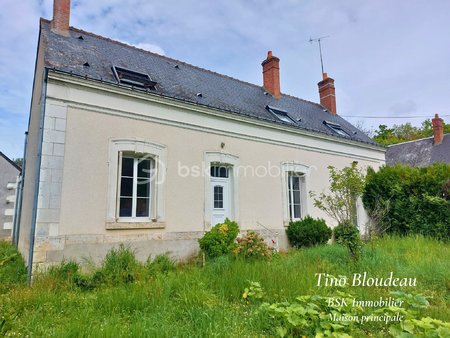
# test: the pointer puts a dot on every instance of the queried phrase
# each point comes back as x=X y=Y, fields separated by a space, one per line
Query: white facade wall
x=83 y=119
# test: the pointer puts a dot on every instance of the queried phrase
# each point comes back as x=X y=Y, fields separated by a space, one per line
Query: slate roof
x=419 y=153
x=11 y=162
x=70 y=54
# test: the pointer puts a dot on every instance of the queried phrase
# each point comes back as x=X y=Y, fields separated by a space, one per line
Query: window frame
x=136 y=157
x=281 y=115
x=293 y=168
x=336 y=128
x=158 y=154
x=291 y=191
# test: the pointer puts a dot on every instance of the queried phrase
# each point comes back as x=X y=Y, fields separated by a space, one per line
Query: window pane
x=142 y=207
x=296 y=182
x=127 y=166
x=218 y=197
x=297 y=213
x=144 y=168
x=223 y=172
x=143 y=187
x=296 y=196
x=213 y=172
x=126 y=186
x=125 y=207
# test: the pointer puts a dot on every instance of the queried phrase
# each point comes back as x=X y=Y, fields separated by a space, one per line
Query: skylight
x=130 y=77
x=281 y=114
x=336 y=128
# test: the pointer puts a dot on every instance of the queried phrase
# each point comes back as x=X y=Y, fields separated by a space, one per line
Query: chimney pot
x=438 y=129
x=61 y=17
x=271 y=75
x=327 y=94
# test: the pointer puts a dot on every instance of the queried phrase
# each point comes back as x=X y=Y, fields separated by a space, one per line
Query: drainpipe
x=37 y=177
x=18 y=206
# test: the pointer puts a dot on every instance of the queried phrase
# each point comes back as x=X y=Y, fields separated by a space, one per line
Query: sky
x=390 y=59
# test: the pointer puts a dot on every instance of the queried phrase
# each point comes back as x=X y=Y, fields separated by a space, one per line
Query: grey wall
x=8 y=174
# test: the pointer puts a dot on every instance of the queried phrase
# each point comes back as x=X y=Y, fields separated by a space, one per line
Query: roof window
x=130 y=77
x=336 y=128
x=281 y=114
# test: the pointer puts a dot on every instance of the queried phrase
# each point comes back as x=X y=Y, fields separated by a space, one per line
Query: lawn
x=192 y=300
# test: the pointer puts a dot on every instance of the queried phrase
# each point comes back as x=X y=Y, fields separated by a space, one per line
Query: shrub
x=417 y=197
x=64 y=273
x=348 y=235
x=161 y=264
x=252 y=246
x=12 y=265
x=308 y=232
x=120 y=266
x=220 y=240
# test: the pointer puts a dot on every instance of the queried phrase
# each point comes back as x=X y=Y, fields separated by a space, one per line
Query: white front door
x=220 y=198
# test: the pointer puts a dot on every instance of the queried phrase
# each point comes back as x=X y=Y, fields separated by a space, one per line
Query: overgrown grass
x=191 y=300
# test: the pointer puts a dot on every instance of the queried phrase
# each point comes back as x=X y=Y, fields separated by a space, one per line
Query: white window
x=137 y=175
x=295 y=182
x=135 y=185
x=295 y=186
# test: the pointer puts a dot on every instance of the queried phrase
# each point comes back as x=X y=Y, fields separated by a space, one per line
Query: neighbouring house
x=125 y=145
x=9 y=174
x=423 y=152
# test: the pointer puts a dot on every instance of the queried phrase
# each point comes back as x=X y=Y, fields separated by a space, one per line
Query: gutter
x=37 y=177
x=18 y=205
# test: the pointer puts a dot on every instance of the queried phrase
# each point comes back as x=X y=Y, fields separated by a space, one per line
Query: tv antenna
x=311 y=40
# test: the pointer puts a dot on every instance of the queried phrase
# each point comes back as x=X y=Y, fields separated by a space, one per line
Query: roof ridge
x=124 y=44
x=419 y=139
x=11 y=161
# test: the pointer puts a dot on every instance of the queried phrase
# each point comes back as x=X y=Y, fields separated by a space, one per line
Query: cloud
x=386 y=56
x=151 y=48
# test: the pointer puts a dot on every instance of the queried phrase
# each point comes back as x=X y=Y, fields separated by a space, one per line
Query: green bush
x=417 y=198
x=64 y=273
x=308 y=232
x=220 y=240
x=348 y=235
x=252 y=246
x=160 y=264
x=120 y=266
x=12 y=266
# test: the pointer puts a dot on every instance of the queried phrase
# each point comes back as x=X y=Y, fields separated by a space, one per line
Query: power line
x=392 y=117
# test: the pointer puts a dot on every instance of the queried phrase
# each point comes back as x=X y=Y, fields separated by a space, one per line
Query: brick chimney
x=61 y=17
x=271 y=75
x=327 y=94
x=438 y=129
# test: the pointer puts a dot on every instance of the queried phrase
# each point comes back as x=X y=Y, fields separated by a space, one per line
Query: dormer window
x=336 y=128
x=281 y=114
x=136 y=79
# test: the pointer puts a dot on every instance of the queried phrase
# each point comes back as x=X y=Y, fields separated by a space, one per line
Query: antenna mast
x=311 y=40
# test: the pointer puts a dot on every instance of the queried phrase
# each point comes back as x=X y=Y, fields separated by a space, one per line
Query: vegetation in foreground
x=226 y=297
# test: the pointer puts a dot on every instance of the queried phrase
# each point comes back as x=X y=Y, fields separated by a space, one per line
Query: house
x=125 y=145
x=9 y=173
x=423 y=152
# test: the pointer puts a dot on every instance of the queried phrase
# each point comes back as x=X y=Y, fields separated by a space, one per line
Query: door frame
x=232 y=162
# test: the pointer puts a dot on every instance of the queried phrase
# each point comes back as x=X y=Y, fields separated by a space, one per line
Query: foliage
x=253 y=291
x=417 y=198
x=119 y=266
x=220 y=240
x=160 y=264
x=346 y=185
x=64 y=273
x=348 y=235
x=12 y=266
x=336 y=316
x=252 y=246
x=308 y=232
x=405 y=132
x=195 y=301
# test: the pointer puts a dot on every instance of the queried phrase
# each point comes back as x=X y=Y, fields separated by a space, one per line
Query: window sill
x=134 y=225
